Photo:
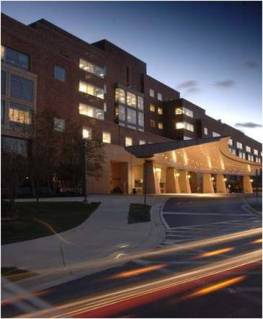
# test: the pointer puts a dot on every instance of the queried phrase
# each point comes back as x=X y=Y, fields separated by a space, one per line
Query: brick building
x=144 y=124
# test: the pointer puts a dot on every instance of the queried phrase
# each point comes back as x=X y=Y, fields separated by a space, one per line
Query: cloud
x=187 y=84
x=251 y=64
x=193 y=90
x=225 y=83
x=248 y=125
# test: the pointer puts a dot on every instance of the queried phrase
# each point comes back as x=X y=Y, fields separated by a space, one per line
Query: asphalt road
x=198 y=271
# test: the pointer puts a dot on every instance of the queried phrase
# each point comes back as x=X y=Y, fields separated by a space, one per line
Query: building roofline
x=170 y=88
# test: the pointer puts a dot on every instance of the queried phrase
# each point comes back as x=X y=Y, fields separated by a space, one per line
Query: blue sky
x=209 y=51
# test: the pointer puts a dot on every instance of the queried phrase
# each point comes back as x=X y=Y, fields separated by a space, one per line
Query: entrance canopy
x=207 y=155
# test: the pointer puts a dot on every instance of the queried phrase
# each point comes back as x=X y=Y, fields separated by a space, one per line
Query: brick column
x=247 y=184
x=149 y=179
x=220 y=184
x=208 y=184
x=172 y=181
x=184 y=182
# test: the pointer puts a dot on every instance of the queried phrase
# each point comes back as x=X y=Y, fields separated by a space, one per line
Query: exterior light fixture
x=177 y=174
x=212 y=178
x=225 y=179
x=188 y=176
x=251 y=180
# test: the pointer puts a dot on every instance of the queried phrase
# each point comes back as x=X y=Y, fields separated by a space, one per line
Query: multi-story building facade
x=139 y=119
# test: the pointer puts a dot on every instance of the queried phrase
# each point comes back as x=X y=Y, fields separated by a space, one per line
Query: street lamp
x=85 y=194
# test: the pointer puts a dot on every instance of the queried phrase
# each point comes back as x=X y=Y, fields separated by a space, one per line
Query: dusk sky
x=209 y=51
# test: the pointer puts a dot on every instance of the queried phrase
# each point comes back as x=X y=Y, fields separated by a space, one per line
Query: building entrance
x=119 y=177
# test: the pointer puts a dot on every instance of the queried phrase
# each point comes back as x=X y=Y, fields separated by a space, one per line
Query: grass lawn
x=44 y=219
x=139 y=213
x=15 y=274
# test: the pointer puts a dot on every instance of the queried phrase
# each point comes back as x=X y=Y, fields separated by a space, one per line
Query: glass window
x=248 y=149
x=152 y=108
x=120 y=95
x=152 y=123
x=128 y=141
x=14 y=145
x=142 y=142
x=106 y=137
x=92 y=68
x=159 y=96
x=160 y=125
x=21 y=88
x=59 y=73
x=86 y=133
x=184 y=125
x=131 y=99
x=255 y=152
x=122 y=116
x=151 y=92
x=19 y=116
x=140 y=119
x=215 y=134
x=15 y=58
x=185 y=111
x=91 y=111
x=140 y=103
x=59 y=125
x=186 y=138
x=91 y=90
x=3 y=82
x=160 y=110
x=239 y=145
x=131 y=116
x=205 y=130
x=230 y=142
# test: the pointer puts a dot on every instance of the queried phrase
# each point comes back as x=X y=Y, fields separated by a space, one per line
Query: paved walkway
x=105 y=236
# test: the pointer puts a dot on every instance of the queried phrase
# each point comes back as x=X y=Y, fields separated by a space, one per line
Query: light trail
x=138 y=271
x=215 y=252
x=257 y=241
x=103 y=301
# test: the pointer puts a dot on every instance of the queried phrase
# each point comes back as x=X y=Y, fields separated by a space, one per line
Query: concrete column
x=220 y=184
x=149 y=181
x=247 y=185
x=208 y=184
x=172 y=180
x=184 y=182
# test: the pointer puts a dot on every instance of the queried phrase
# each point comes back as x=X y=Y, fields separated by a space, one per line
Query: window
x=131 y=116
x=159 y=96
x=15 y=58
x=140 y=119
x=92 y=68
x=142 y=142
x=59 y=125
x=255 y=152
x=215 y=134
x=122 y=116
x=3 y=82
x=205 y=130
x=59 y=73
x=160 y=110
x=187 y=138
x=152 y=108
x=239 y=145
x=128 y=141
x=21 y=88
x=120 y=95
x=152 y=123
x=160 y=125
x=248 y=149
x=131 y=99
x=230 y=142
x=105 y=107
x=14 y=145
x=233 y=151
x=91 y=90
x=151 y=92
x=19 y=116
x=140 y=103
x=106 y=137
x=185 y=111
x=184 y=125
x=86 y=133
x=250 y=157
x=91 y=111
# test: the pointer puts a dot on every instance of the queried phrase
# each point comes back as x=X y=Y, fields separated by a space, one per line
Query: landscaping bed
x=33 y=220
x=15 y=274
x=139 y=213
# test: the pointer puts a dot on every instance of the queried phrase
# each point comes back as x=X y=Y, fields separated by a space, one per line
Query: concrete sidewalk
x=96 y=244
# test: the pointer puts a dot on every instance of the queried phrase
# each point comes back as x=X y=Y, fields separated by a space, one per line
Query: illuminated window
x=142 y=142
x=159 y=96
x=19 y=116
x=248 y=149
x=160 y=110
x=59 y=73
x=239 y=145
x=187 y=138
x=160 y=125
x=140 y=103
x=151 y=92
x=131 y=99
x=184 y=110
x=255 y=152
x=91 y=111
x=59 y=125
x=92 y=68
x=128 y=141
x=120 y=95
x=15 y=58
x=122 y=116
x=250 y=157
x=215 y=134
x=91 y=90
x=106 y=137
x=184 y=125
x=131 y=116
x=140 y=119
x=230 y=142
x=86 y=133
x=152 y=123
x=21 y=88
x=152 y=108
